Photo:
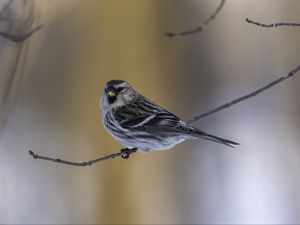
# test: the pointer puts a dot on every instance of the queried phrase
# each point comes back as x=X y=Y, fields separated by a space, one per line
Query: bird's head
x=117 y=93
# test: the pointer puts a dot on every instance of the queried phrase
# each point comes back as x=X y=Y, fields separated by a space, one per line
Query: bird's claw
x=125 y=153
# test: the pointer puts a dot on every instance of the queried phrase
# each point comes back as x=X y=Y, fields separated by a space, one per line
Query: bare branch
x=201 y=27
x=16 y=39
x=124 y=153
x=250 y=95
x=272 y=24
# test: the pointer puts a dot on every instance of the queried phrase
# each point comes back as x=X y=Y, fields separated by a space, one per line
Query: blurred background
x=50 y=86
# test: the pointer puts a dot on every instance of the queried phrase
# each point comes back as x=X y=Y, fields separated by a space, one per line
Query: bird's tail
x=217 y=139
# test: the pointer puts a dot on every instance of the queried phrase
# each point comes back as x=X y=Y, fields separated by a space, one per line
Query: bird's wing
x=130 y=120
x=156 y=120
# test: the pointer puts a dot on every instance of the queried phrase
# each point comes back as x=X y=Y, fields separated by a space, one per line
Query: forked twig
x=272 y=24
x=124 y=153
x=201 y=27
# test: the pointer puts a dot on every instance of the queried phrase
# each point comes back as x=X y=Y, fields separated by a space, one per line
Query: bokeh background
x=50 y=86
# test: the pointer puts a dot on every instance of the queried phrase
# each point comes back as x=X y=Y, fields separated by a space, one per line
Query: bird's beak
x=111 y=94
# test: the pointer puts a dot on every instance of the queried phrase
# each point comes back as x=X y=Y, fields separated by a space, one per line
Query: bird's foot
x=126 y=152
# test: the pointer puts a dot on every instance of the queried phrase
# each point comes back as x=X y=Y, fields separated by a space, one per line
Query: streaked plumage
x=137 y=122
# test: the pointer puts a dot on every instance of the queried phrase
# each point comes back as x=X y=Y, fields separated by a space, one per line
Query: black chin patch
x=112 y=99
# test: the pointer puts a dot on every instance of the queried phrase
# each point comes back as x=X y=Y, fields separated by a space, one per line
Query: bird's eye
x=119 y=89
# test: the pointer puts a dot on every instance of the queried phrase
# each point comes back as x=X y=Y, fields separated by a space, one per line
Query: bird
x=139 y=123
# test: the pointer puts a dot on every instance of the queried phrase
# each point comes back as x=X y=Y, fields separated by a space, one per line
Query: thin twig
x=201 y=27
x=250 y=95
x=15 y=38
x=272 y=24
x=124 y=153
